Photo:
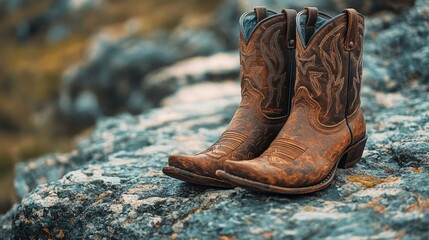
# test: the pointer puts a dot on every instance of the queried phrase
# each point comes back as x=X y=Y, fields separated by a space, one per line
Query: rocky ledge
x=112 y=186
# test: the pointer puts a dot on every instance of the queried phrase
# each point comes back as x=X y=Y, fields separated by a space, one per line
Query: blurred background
x=66 y=63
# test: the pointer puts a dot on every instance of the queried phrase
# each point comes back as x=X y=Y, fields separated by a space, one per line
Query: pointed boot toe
x=247 y=173
x=194 y=169
x=241 y=169
x=183 y=162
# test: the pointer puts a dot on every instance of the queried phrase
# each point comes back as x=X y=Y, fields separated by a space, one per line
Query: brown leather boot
x=326 y=128
x=267 y=57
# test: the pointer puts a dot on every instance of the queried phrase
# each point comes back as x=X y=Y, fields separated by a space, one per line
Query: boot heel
x=353 y=154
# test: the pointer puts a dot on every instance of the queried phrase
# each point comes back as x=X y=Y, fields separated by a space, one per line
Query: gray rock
x=6 y=224
x=396 y=50
x=28 y=176
x=54 y=166
x=168 y=80
x=114 y=185
x=113 y=68
x=116 y=65
x=202 y=92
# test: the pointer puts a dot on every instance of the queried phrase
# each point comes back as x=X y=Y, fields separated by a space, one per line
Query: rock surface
x=6 y=224
x=399 y=53
x=112 y=184
x=168 y=80
x=117 y=63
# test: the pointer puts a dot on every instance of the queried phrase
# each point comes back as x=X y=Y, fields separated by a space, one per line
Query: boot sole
x=348 y=159
x=195 y=178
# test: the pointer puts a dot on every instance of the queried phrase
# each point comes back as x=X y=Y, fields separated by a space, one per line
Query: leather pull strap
x=350 y=41
x=261 y=13
x=310 y=25
x=290 y=17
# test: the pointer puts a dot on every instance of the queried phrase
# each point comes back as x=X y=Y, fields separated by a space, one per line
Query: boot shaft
x=267 y=58
x=329 y=62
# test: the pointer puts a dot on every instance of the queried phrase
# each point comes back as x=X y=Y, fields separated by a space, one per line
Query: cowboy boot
x=326 y=128
x=267 y=58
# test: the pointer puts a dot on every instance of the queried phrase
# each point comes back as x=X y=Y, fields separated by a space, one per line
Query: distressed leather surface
x=325 y=118
x=267 y=78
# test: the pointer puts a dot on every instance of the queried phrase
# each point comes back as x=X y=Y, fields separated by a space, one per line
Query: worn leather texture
x=326 y=118
x=267 y=79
